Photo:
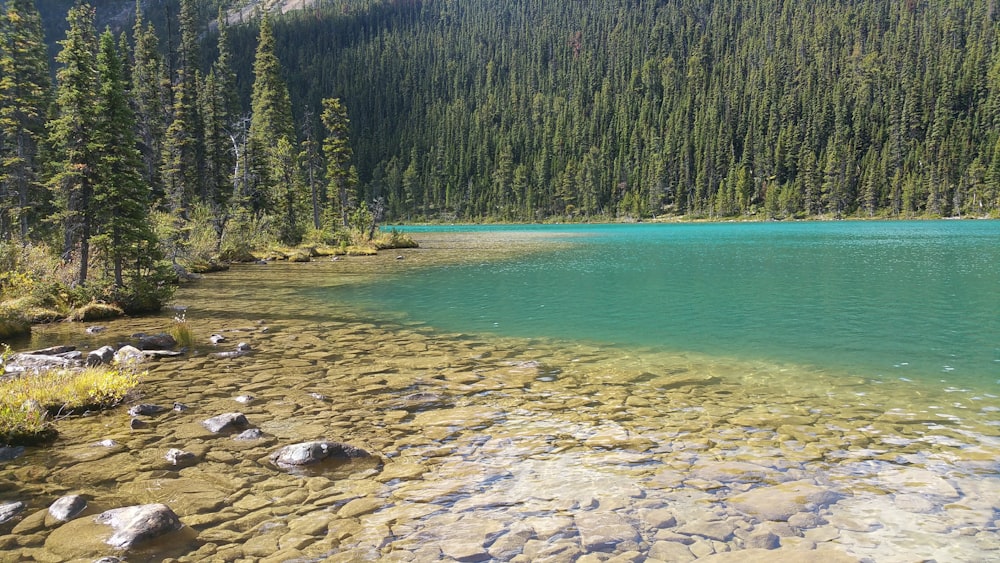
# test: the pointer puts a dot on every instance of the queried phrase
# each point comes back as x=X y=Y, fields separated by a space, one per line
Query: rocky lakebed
x=335 y=437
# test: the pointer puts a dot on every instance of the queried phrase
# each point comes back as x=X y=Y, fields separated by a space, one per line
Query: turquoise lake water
x=908 y=300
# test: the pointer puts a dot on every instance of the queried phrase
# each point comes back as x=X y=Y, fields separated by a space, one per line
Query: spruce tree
x=25 y=93
x=271 y=119
x=337 y=149
x=150 y=100
x=71 y=135
x=121 y=196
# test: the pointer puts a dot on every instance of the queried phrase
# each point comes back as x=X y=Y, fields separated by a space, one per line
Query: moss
x=207 y=266
x=362 y=251
x=299 y=256
x=13 y=321
x=94 y=311
x=237 y=253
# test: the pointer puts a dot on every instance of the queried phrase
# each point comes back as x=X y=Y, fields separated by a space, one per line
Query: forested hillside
x=528 y=109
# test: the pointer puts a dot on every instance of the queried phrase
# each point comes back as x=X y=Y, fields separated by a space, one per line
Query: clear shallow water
x=505 y=448
x=916 y=300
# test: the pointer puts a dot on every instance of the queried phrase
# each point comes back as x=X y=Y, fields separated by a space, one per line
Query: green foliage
x=624 y=109
x=181 y=331
x=28 y=401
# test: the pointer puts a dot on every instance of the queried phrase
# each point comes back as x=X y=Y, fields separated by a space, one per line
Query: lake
x=717 y=392
x=873 y=299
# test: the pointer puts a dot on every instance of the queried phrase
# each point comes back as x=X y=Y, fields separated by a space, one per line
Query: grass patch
x=94 y=311
x=30 y=402
x=181 y=331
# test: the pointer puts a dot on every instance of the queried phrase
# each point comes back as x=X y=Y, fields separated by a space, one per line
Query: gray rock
x=180 y=407
x=39 y=361
x=101 y=356
x=242 y=349
x=52 y=350
x=135 y=524
x=67 y=507
x=74 y=356
x=604 y=531
x=308 y=453
x=9 y=510
x=245 y=399
x=216 y=339
x=226 y=422
x=249 y=434
x=96 y=329
x=108 y=559
x=136 y=424
x=145 y=409
x=176 y=456
x=129 y=355
x=161 y=341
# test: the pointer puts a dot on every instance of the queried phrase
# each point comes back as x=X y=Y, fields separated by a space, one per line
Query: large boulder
x=136 y=524
x=308 y=453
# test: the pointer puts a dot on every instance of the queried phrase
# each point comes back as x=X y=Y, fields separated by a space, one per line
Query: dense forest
x=527 y=110
x=300 y=125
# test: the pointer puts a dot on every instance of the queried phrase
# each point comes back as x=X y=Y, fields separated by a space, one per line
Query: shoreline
x=532 y=448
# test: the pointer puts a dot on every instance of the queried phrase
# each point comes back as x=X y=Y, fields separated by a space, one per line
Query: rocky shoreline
x=460 y=448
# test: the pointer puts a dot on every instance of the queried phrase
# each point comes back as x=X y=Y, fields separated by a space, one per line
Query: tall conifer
x=25 y=92
x=71 y=134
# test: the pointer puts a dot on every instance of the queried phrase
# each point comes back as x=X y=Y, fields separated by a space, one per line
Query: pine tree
x=25 y=92
x=71 y=134
x=121 y=197
x=149 y=97
x=271 y=118
x=337 y=149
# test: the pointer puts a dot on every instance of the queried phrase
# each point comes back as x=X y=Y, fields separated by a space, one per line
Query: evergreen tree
x=337 y=149
x=271 y=119
x=121 y=197
x=71 y=134
x=25 y=92
x=149 y=98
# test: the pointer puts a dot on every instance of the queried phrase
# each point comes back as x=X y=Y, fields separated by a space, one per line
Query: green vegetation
x=310 y=128
x=30 y=402
x=529 y=110
x=181 y=331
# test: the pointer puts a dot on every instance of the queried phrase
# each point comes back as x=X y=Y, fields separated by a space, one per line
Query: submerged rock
x=135 y=524
x=226 y=422
x=781 y=502
x=308 y=453
x=8 y=453
x=67 y=508
x=176 y=456
x=242 y=349
x=249 y=434
x=145 y=409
